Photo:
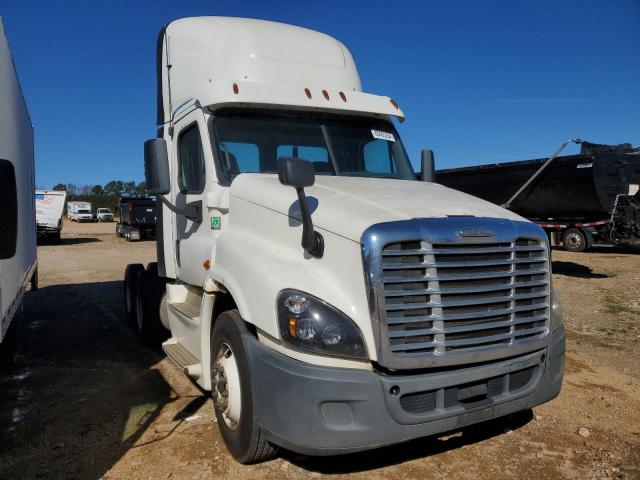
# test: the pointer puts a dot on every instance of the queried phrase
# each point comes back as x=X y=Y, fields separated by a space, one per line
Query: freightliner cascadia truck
x=18 y=255
x=328 y=300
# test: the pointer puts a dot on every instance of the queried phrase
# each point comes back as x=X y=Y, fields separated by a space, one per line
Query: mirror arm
x=192 y=210
x=312 y=241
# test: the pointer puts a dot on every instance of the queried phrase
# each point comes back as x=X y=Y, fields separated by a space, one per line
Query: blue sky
x=479 y=81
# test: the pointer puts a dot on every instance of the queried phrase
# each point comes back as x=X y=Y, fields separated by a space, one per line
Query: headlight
x=308 y=323
x=556 y=310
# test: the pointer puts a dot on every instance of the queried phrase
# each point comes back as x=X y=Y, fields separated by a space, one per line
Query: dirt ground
x=86 y=401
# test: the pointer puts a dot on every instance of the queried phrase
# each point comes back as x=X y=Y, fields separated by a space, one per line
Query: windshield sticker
x=388 y=136
x=585 y=165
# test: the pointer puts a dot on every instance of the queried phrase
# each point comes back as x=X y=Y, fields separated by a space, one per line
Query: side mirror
x=9 y=217
x=299 y=173
x=156 y=167
x=428 y=166
x=296 y=172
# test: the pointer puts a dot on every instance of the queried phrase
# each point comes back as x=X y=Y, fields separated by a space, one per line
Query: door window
x=191 y=164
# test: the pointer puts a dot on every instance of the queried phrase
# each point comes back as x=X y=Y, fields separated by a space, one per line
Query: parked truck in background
x=137 y=218
x=329 y=301
x=49 y=210
x=104 y=215
x=79 y=211
x=18 y=257
x=590 y=198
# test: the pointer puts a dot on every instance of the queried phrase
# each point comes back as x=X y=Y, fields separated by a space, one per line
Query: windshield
x=104 y=210
x=84 y=211
x=347 y=146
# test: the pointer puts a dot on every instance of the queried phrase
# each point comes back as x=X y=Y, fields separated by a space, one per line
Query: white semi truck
x=18 y=256
x=328 y=300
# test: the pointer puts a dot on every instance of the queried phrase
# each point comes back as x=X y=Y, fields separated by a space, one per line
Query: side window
x=191 y=165
x=319 y=156
x=378 y=157
x=239 y=157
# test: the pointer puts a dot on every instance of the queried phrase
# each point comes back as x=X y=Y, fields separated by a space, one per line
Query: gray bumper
x=324 y=411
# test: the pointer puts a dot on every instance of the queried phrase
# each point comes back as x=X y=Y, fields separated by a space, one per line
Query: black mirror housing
x=9 y=217
x=156 y=167
x=296 y=172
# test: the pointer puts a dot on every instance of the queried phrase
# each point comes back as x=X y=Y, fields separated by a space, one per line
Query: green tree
x=97 y=190
x=60 y=187
x=141 y=189
x=113 y=188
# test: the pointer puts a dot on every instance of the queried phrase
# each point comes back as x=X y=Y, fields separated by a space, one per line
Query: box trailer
x=329 y=301
x=79 y=211
x=18 y=258
x=137 y=218
x=581 y=200
x=49 y=210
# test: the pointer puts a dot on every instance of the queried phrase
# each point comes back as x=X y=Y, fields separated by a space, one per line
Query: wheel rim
x=226 y=387
x=139 y=312
x=573 y=240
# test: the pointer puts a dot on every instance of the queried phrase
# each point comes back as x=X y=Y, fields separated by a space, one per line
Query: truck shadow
x=414 y=449
x=83 y=391
x=78 y=240
x=572 y=269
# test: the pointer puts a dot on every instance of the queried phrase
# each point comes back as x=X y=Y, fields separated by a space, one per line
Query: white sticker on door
x=388 y=136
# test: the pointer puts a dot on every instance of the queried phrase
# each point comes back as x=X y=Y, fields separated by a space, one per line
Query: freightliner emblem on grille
x=475 y=232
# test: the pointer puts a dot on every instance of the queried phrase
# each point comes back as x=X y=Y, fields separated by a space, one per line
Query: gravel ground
x=86 y=401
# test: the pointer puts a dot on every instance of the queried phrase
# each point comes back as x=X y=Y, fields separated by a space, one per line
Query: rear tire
x=148 y=297
x=232 y=392
x=131 y=274
x=574 y=240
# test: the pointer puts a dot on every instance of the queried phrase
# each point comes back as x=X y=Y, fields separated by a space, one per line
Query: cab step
x=183 y=358
x=187 y=310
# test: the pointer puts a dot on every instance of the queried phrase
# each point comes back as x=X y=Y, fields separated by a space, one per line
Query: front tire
x=574 y=240
x=232 y=392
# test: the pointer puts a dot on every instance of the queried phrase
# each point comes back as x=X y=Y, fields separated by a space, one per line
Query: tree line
x=103 y=196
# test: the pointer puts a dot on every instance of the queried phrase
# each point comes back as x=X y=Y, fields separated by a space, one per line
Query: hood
x=347 y=206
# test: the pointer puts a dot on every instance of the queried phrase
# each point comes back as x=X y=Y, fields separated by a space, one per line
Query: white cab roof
x=220 y=61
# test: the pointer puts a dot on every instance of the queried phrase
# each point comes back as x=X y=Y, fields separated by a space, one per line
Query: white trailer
x=49 y=209
x=329 y=300
x=18 y=258
x=79 y=211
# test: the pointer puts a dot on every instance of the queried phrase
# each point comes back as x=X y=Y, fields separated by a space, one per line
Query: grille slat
x=461 y=251
x=460 y=264
x=470 y=289
x=441 y=298
x=467 y=302
x=463 y=328
x=462 y=276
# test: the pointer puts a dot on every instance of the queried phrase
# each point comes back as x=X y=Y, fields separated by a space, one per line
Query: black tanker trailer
x=580 y=200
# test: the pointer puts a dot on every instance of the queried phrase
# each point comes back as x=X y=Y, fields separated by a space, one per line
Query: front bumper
x=319 y=410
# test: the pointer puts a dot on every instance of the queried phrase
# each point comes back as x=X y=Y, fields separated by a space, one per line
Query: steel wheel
x=226 y=386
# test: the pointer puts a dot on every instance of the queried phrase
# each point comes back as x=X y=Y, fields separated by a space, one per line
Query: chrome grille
x=440 y=298
x=456 y=290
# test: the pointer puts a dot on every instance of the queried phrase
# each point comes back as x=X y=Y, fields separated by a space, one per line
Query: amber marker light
x=343 y=96
x=326 y=94
x=393 y=102
x=292 y=327
x=307 y=92
x=235 y=88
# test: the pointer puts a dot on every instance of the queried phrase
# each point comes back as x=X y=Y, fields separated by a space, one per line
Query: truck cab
x=329 y=300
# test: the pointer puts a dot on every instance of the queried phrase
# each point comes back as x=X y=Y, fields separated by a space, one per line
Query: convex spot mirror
x=156 y=167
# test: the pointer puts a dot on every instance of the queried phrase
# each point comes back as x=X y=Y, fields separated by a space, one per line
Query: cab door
x=193 y=166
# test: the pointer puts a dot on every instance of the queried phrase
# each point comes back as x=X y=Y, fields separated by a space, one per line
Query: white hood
x=347 y=206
